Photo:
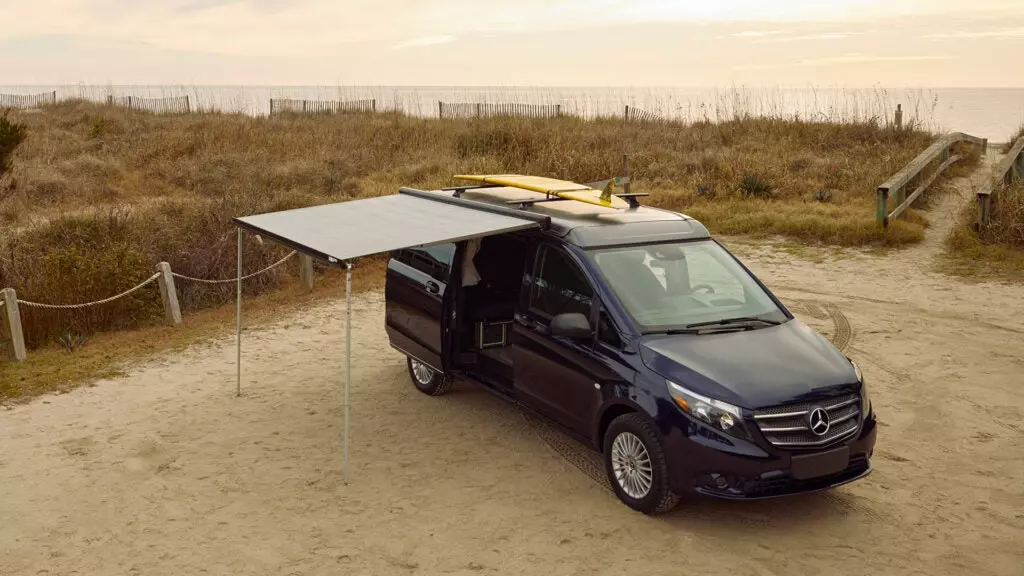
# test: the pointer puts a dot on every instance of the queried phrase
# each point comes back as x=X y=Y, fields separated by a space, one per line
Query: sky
x=858 y=43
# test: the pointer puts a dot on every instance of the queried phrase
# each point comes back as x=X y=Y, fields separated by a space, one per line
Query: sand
x=164 y=471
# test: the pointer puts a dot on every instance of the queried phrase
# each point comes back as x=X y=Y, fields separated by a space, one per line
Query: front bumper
x=697 y=467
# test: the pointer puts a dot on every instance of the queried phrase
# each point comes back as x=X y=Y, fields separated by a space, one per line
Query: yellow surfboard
x=561 y=188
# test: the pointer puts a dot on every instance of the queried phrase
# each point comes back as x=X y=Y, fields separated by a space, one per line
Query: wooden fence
x=1009 y=171
x=280 y=105
x=636 y=114
x=917 y=176
x=27 y=100
x=483 y=109
x=173 y=105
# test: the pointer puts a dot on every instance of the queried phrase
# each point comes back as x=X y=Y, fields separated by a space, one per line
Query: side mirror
x=571 y=325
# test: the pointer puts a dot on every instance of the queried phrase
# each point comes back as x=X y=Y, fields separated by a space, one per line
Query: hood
x=752 y=368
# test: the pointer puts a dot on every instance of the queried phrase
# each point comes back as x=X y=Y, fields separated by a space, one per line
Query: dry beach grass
x=99 y=194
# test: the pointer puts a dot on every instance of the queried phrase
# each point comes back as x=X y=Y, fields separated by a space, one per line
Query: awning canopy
x=340 y=232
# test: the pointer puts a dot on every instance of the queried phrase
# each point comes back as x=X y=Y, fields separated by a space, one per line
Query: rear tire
x=427 y=380
x=636 y=465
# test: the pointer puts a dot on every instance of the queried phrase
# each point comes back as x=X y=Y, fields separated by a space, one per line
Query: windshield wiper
x=733 y=322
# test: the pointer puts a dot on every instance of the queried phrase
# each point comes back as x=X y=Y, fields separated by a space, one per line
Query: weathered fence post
x=478 y=114
x=627 y=112
x=54 y=96
x=625 y=172
x=306 y=272
x=303 y=105
x=10 y=325
x=271 y=107
x=558 y=110
x=984 y=210
x=373 y=105
x=172 y=312
x=899 y=116
x=110 y=99
x=440 y=109
x=882 y=207
x=188 y=106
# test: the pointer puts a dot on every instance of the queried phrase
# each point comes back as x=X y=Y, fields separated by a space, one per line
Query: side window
x=435 y=261
x=606 y=331
x=559 y=286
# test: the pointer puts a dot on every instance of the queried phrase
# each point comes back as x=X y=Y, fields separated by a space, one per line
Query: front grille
x=787 y=426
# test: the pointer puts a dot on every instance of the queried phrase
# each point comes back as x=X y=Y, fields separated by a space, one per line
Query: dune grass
x=99 y=195
x=996 y=251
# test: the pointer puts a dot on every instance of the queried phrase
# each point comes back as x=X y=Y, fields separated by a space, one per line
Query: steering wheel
x=708 y=287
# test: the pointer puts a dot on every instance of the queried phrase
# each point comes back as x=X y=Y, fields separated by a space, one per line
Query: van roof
x=590 y=226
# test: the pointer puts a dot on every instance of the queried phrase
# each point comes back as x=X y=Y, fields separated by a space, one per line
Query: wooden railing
x=917 y=175
x=484 y=109
x=1009 y=170
x=279 y=105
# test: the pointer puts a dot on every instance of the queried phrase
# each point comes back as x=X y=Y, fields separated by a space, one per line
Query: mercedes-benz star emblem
x=818 y=421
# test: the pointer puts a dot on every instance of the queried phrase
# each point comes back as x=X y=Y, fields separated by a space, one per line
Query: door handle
x=433 y=287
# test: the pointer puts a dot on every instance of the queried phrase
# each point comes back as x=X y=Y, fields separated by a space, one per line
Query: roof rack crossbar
x=458 y=190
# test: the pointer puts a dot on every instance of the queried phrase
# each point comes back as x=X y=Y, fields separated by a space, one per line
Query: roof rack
x=632 y=198
x=458 y=190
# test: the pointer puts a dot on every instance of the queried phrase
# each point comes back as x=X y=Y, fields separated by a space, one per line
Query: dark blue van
x=642 y=336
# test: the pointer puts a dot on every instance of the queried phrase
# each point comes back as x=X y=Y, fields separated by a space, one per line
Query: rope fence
x=10 y=317
x=128 y=292
x=230 y=280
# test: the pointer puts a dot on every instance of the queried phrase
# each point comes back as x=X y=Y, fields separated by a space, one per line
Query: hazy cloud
x=866 y=59
x=426 y=41
x=1003 y=34
x=755 y=33
x=664 y=42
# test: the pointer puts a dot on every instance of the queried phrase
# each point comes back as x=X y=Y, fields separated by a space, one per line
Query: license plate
x=822 y=464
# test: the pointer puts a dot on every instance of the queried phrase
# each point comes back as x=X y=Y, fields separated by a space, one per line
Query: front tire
x=427 y=380
x=636 y=465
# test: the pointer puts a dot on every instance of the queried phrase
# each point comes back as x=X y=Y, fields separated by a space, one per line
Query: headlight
x=865 y=400
x=720 y=415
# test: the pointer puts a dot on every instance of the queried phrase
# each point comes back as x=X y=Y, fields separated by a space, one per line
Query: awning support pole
x=348 y=363
x=238 y=320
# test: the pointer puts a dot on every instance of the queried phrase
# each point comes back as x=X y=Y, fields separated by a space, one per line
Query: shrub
x=11 y=135
x=755 y=186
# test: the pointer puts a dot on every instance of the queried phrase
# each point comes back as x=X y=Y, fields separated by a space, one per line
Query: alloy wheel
x=421 y=372
x=632 y=465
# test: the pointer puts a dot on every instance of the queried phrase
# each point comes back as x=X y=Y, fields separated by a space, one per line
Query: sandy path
x=165 y=472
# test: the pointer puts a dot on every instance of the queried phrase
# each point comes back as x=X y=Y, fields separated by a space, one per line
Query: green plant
x=755 y=186
x=11 y=135
x=71 y=340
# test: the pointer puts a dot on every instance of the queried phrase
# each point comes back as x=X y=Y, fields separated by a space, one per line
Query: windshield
x=666 y=286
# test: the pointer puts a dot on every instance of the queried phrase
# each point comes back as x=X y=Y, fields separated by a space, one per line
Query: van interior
x=490 y=279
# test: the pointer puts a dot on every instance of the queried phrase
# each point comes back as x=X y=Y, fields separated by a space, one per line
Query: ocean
x=993 y=113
